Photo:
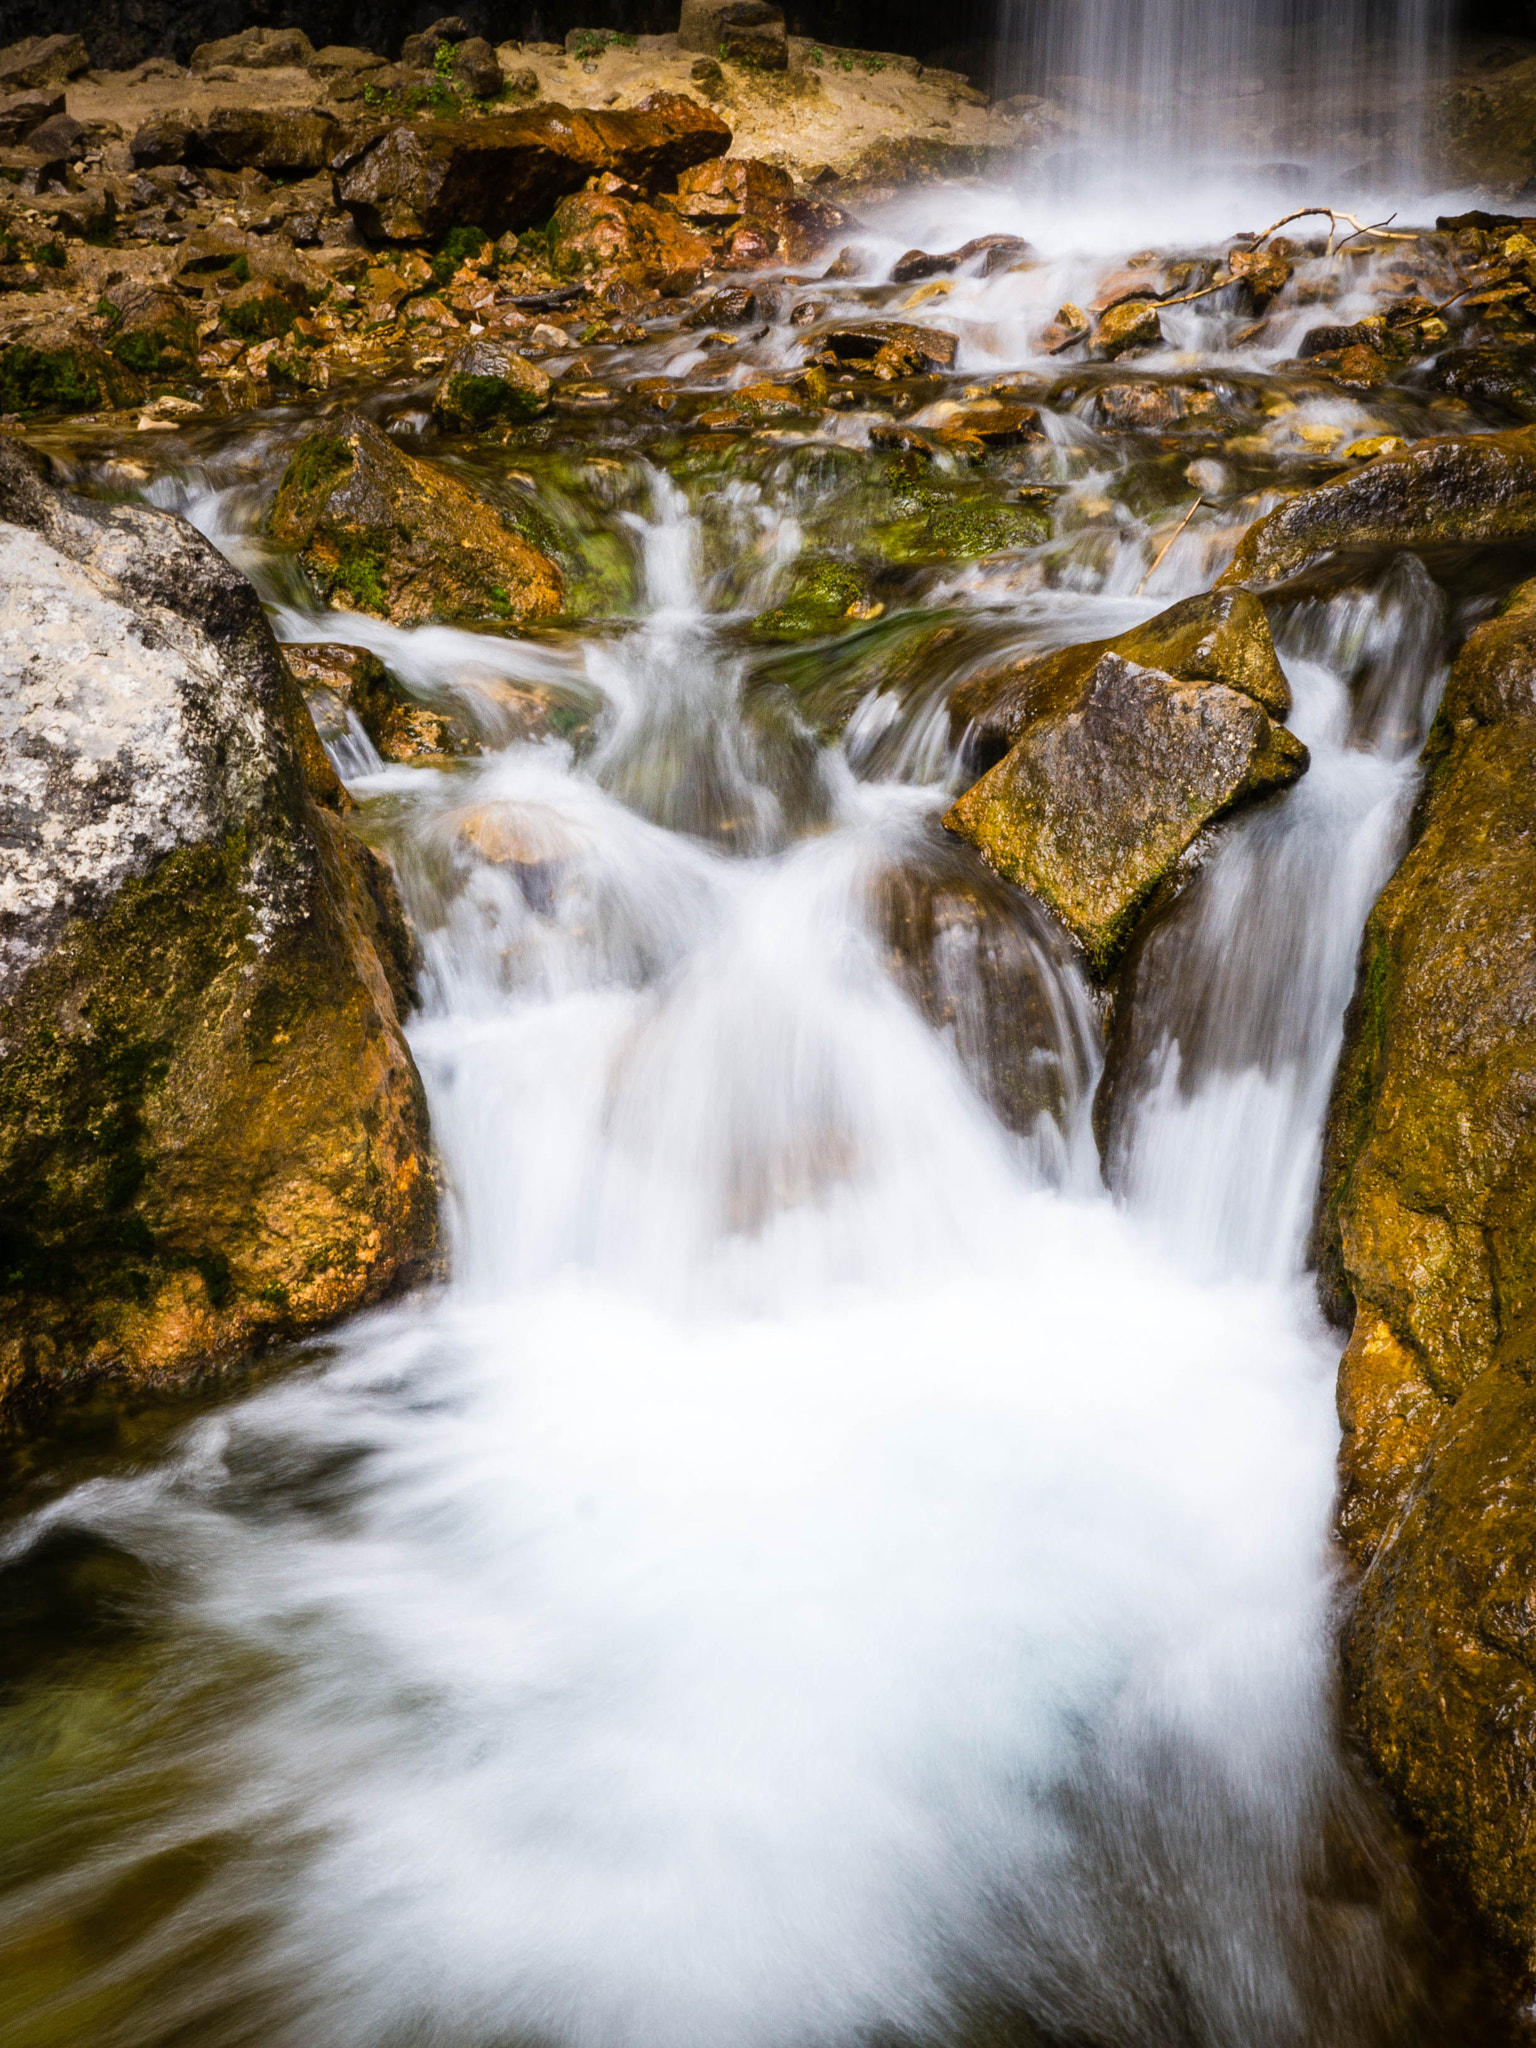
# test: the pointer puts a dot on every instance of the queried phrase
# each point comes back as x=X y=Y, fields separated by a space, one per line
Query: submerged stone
x=381 y=531
x=1095 y=804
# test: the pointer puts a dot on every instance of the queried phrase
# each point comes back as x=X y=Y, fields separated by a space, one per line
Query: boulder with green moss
x=55 y=371
x=489 y=384
x=378 y=530
x=1427 y=1244
x=1101 y=796
x=1221 y=636
x=153 y=331
x=1444 y=492
x=212 y=1134
x=822 y=595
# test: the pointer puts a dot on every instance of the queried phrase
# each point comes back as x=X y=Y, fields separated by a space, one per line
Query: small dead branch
x=1168 y=543
x=1378 y=227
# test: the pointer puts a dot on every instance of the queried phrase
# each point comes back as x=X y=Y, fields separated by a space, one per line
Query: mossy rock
x=262 y=310
x=152 y=333
x=488 y=384
x=961 y=529
x=379 y=530
x=822 y=595
x=1101 y=797
x=1221 y=636
x=75 y=376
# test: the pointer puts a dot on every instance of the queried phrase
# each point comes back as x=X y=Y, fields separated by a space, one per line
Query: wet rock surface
x=1093 y=805
x=381 y=531
x=1429 y=1206
x=212 y=1130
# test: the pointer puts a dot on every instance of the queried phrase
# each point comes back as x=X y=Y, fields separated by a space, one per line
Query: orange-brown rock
x=212 y=1134
x=593 y=231
x=1427 y=1239
x=418 y=179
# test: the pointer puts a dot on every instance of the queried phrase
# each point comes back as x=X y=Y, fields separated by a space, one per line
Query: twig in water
x=1168 y=543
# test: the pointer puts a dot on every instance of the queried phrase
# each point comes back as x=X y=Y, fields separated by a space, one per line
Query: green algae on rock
x=1426 y=1230
x=822 y=595
x=1095 y=804
x=487 y=384
x=64 y=373
x=381 y=531
x=1480 y=487
x=212 y=1134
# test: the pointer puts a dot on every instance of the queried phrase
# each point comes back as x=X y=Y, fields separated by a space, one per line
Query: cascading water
x=825 y=1568
x=1162 y=86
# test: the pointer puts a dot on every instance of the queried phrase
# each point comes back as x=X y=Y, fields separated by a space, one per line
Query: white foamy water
x=822 y=1570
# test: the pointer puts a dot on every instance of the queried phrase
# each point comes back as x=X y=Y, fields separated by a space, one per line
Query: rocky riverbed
x=361 y=420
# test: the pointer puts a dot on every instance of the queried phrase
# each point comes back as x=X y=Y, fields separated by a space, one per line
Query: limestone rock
x=487 y=383
x=593 y=231
x=211 y=1130
x=742 y=31
x=260 y=49
x=58 y=371
x=1427 y=1224
x=1219 y=637
x=864 y=340
x=336 y=679
x=475 y=68
x=1478 y=488
x=381 y=531
x=284 y=140
x=21 y=113
x=422 y=178
x=1127 y=329
x=1094 y=804
x=42 y=60
x=164 y=139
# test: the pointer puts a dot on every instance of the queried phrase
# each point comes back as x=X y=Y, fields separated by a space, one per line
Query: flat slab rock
x=1094 y=805
x=422 y=178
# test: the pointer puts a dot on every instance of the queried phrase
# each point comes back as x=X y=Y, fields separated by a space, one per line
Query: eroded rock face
x=1221 y=636
x=1478 y=488
x=381 y=531
x=1095 y=803
x=424 y=177
x=1427 y=1234
x=212 y=1133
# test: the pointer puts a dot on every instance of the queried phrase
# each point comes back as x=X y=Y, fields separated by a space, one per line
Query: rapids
x=829 y=1565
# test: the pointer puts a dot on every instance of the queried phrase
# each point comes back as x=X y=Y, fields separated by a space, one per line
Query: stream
x=843 y=1557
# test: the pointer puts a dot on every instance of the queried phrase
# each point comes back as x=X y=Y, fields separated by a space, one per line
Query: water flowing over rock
x=419 y=179
x=382 y=531
x=1427 y=1225
x=1094 y=805
x=212 y=1133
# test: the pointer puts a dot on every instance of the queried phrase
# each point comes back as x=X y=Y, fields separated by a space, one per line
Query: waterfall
x=1161 y=86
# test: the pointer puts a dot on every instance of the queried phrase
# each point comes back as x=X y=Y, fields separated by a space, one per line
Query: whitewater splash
x=826 y=1569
